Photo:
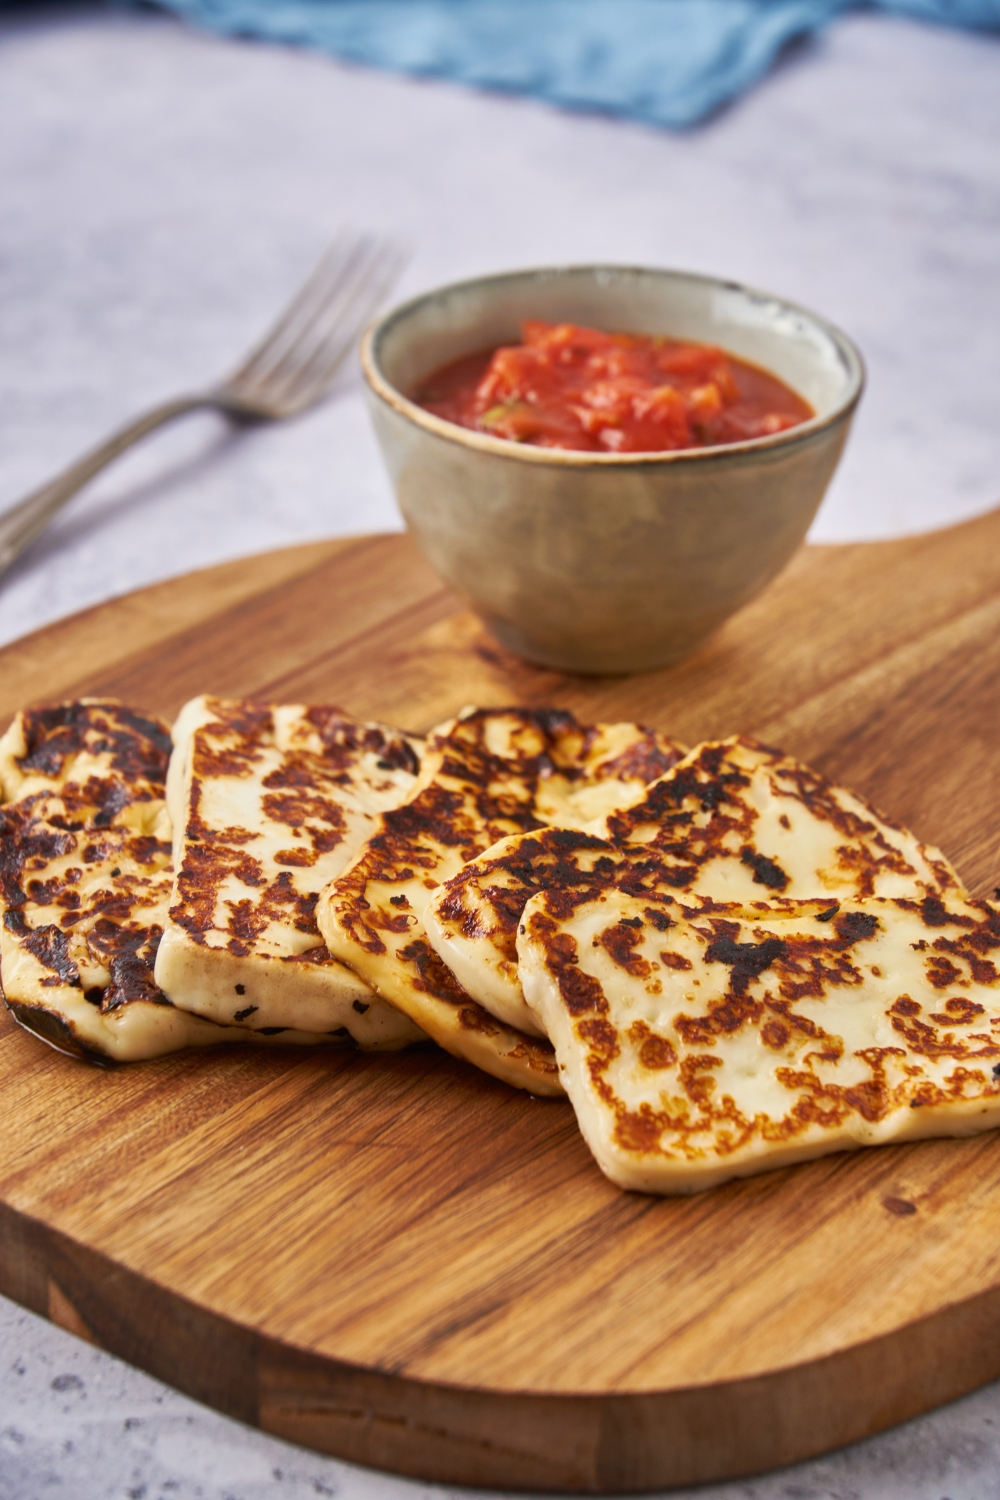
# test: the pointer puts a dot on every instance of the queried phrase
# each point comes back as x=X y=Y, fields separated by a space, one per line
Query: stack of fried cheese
x=727 y=962
x=489 y=774
x=147 y=910
x=85 y=880
x=750 y=968
x=92 y=898
x=733 y=820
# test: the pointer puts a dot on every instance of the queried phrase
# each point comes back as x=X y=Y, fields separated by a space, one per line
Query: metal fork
x=291 y=369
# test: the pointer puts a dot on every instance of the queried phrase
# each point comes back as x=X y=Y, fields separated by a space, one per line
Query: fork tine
x=321 y=369
x=297 y=317
x=310 y=366
x=338 y=296
x=298 y=357
x=299 y=354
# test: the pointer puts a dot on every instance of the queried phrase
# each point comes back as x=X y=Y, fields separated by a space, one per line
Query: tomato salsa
x=570 y=387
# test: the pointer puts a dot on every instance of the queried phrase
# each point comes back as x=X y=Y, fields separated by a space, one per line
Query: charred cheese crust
x=86 y=741
x=491 y=773
x=721 y=1042
x=85 y=878
x=269 y=805
x=739 y=820
x=472 y=920
x=733 y=820
x=600 y=769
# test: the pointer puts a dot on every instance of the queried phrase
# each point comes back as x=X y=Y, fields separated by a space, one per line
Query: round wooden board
x=402 y=1262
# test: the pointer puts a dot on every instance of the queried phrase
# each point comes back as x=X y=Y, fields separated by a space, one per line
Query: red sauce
x=572 y=387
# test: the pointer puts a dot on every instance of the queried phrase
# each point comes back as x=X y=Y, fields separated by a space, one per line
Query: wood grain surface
x=402 y=1262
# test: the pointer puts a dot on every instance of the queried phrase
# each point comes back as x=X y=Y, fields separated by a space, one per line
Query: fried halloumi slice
x=472 y=919
x=600 y=769
x=738 y=820
x=85 y=880
x=728 y=1041
x=268 y=805
x=89 y=740
x=491 y=773
x=733 y=820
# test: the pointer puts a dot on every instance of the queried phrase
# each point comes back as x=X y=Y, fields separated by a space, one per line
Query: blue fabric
x=667 y=62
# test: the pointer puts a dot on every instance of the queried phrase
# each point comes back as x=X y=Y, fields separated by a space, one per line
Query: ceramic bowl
x=607 y=562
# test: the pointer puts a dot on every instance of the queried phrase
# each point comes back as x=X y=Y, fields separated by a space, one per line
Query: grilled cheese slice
x=733 y=820
x=85 y=880
x=491 y=773
x=114 y=757
x=472 y=919
x=268 y=805
x=723 y=1041
x=600 y=769
x=738 y=820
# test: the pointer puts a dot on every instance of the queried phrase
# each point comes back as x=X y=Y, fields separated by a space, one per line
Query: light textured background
x=76 y=1424
x=162 y=192
x=160 y=195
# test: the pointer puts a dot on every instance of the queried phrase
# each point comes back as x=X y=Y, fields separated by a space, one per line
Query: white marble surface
x=160 y=194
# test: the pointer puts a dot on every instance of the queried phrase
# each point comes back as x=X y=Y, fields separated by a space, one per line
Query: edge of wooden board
x=116 y=628
x=464 y=1434
x=498 y=1439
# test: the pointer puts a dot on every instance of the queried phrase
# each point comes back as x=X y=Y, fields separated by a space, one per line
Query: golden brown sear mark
x=272 y=801
x=84 y=873
x=490 y=774
x=795 y=1043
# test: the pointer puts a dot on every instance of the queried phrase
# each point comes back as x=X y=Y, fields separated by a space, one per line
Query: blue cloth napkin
x=667 y=62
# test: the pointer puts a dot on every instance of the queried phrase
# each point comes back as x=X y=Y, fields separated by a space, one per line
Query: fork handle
x=26 y=520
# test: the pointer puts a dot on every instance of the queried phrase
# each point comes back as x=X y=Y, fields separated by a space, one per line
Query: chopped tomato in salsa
x=572 y=387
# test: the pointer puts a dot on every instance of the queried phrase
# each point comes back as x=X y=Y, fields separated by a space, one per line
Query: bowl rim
x=468 y=437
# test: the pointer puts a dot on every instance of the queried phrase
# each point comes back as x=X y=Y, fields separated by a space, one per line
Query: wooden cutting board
x=403 y=1262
